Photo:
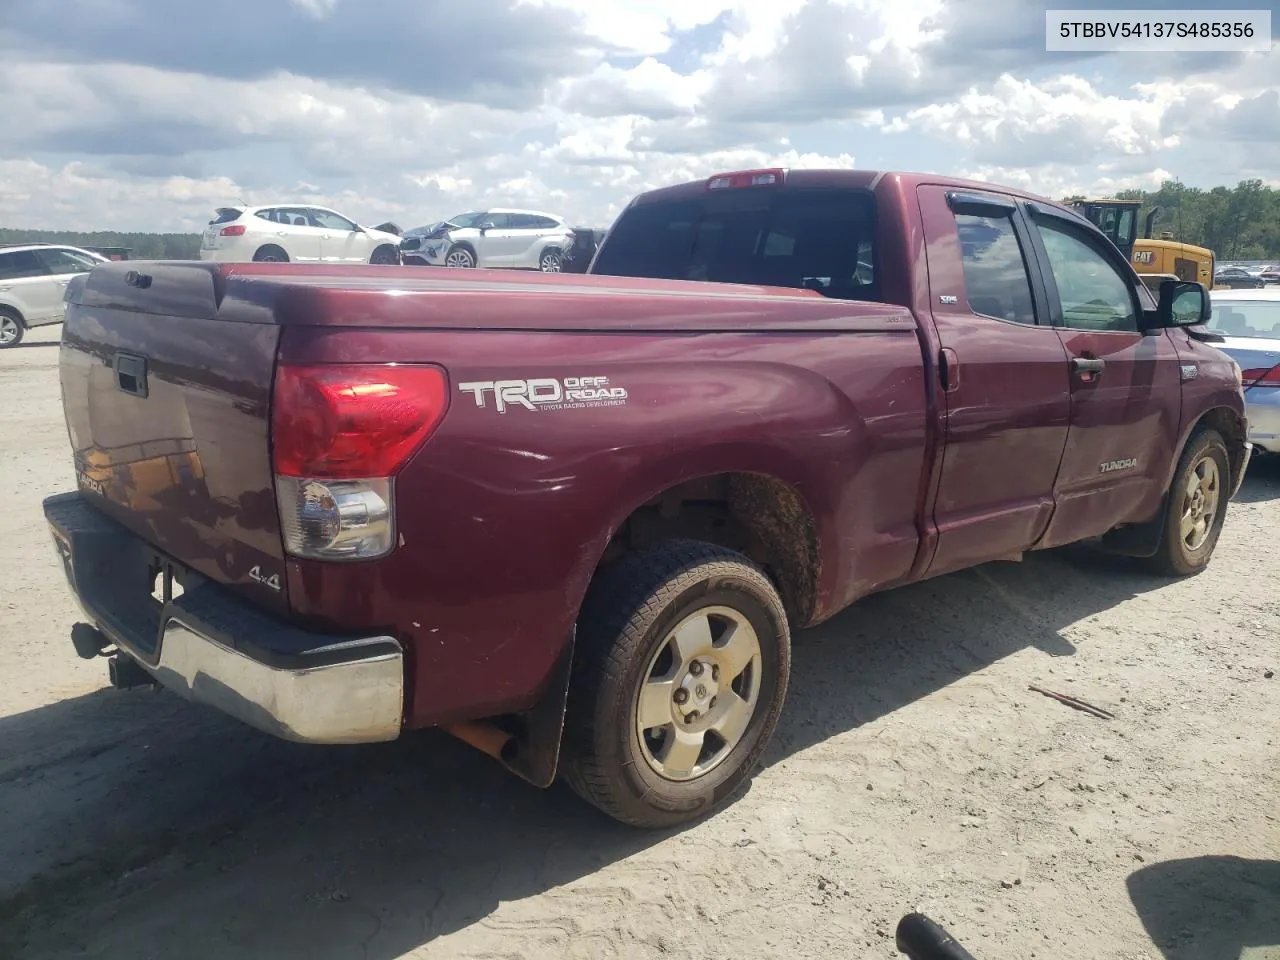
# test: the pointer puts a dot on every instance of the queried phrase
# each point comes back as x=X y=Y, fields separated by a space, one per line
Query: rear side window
x=225 y=215
x=21 y=264
x=816 y=239
x=66 y=261
x=995 y=270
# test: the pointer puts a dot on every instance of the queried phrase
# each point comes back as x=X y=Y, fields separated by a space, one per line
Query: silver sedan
x=1249 y=322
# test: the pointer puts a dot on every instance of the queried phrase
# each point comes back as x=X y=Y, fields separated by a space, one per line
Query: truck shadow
x=135 y=819
x=1209 y=908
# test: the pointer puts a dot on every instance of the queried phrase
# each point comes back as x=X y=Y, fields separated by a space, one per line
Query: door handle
x=1086 y=368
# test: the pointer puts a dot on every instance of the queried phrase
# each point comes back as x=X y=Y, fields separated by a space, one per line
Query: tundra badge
x=1112 y=465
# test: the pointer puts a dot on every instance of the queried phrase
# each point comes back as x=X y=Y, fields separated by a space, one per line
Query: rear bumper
x=210 y=646
x=1262 y=407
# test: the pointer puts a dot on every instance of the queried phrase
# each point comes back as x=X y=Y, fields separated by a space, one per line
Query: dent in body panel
x=510 y=513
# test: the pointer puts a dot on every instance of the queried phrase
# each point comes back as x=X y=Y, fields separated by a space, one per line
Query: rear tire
x=1197 y=507
x=680 y=646
x=12 y=328
x=270 y=254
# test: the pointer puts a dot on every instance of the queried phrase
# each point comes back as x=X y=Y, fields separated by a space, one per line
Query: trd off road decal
x=546 y=393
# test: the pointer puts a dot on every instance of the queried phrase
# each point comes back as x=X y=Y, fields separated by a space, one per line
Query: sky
x=149 y=114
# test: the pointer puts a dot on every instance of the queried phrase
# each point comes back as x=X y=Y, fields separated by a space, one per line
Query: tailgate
x=167 y=409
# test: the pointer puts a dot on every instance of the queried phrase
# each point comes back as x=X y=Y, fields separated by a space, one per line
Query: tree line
x=141 y=246
x=1236 y=223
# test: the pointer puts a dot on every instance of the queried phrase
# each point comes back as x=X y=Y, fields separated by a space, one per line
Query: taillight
x=340 y=433
x=235 y=230
x=1261 y=377
x=745 y=178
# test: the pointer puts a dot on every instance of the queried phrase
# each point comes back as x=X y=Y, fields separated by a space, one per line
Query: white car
x=499 y=237
x=299 y=233
x=33 y=280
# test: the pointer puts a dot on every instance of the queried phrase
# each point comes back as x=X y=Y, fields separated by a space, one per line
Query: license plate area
x=165 y=578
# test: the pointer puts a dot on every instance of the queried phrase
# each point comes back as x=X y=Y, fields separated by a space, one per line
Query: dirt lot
x=913 y=769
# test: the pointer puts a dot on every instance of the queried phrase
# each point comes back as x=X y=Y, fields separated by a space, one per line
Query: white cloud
x=660 y=91
x=1022 y=121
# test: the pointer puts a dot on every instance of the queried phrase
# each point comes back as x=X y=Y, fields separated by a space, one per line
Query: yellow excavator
x=1153 y=259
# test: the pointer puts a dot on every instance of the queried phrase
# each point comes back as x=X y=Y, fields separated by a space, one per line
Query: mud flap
x=1138 y=539
x=538 y=731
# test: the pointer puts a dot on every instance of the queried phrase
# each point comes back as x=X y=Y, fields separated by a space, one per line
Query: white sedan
x=297 y=233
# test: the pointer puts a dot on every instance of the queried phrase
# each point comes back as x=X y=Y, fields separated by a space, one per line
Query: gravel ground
x=913 y=769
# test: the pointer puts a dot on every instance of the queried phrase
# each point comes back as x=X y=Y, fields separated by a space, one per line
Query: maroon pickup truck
x=575 y=519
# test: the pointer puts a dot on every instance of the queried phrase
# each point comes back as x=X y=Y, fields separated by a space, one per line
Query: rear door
x=300 y=235
x=26 y=283
x=1005 y=384
x=1126 y=387
x=63 y=265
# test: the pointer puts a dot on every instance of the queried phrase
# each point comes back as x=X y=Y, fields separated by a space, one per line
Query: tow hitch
x=124 y=671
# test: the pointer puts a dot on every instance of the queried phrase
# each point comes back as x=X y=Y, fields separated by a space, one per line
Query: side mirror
x=1182 y=303
x=487 y=225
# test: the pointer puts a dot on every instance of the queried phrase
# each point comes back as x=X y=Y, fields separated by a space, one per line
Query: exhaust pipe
x=487 y=738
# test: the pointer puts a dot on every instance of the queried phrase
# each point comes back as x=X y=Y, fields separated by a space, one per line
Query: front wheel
x=550 y=261
x=1197 y=507
x=460 y=257
x=680 y=676
x=386 y=255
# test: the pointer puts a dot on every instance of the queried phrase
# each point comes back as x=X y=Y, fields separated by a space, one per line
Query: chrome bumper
x=214 y=648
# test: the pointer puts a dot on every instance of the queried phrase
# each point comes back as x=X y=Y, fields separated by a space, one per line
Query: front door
x=1006 y=384
x=1126 y=388
x=341 y=242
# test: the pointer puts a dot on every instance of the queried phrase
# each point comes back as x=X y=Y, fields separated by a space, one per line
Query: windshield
x=813 y=239
x=472 y=219
x=1247 y=318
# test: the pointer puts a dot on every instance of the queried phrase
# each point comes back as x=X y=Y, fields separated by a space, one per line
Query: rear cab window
x=811 y=238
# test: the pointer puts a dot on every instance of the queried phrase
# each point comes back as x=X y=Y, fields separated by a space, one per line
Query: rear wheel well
x=13 y=312
x=757 y=515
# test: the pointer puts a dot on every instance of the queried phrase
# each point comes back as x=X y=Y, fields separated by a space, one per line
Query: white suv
x=285 y=232
x=33 y=281
x=518 y=239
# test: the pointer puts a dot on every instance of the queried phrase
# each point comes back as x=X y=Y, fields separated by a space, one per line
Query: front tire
x=460 y=256
x=385 y=255
x=1197 y=507
x=12 y=329
x=680 y=675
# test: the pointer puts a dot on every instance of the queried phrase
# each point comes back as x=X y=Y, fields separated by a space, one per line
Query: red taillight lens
x=351 y=421
x=1261 y=377
x=235 y=230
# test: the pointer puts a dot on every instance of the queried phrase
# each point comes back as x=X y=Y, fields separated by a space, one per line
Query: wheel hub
x=696 y=691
